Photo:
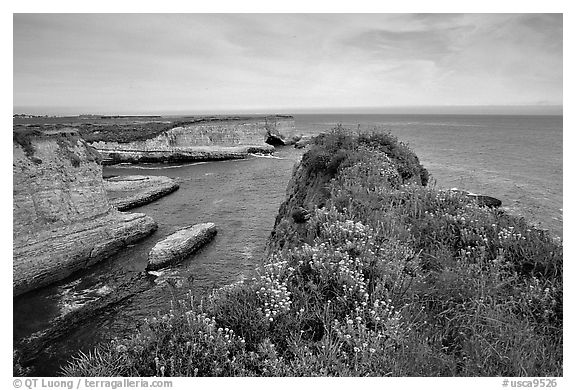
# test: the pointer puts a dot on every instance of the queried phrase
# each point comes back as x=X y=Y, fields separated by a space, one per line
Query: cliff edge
x=62 y=219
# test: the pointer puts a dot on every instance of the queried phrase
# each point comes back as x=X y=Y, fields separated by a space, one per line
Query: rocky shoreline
x=191 y=154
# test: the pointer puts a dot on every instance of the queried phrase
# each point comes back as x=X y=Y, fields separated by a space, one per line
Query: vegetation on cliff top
x=66 y=140
x=387 y=278
x=106 y=129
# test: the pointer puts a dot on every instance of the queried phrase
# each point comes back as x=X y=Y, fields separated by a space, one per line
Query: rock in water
x=482 y=200
x=128 y=192
x=486 y=201
x=179 y=245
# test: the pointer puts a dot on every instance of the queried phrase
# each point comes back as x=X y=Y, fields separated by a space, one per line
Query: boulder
x=179 y=245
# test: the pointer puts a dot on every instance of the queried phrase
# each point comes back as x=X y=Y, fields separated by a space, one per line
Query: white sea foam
x=132 y=166
x=266 y=156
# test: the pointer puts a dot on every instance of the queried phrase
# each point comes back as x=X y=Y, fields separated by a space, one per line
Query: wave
x=133 y=166
x=266 y=156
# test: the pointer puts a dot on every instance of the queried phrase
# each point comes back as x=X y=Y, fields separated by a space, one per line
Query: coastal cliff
x=62 y=219
x=200 y=140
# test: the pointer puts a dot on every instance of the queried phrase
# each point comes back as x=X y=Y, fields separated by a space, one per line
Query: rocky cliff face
x=306 y=191
x=211 y=140
x=313 y=178
x=57 y=181
x=62 y=218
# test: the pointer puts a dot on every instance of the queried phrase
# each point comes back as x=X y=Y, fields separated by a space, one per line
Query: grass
x=387 y=278
x=67 y=143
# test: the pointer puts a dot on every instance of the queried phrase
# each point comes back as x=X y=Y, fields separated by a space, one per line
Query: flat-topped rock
x=115 y=154
x=128 y=192
x=44 y=257
x=179 y=245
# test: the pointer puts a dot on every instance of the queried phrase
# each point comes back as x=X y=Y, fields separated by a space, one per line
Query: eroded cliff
x=62 y=218
x=215 y=139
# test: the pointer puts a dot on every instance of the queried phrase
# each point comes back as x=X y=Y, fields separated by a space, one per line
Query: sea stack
x=179 y=245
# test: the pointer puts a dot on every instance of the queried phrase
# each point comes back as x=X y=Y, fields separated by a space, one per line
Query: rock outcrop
x=482 y=200
x=177 y=155
x=128 y=192
x=303 y=142
x=214 y=139
x=62 y=218
x=275 y=139
x=179 y=245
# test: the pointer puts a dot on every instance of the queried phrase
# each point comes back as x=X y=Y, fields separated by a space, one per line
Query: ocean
x=517 y=159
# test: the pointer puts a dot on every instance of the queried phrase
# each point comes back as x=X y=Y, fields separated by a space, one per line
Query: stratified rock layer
x=200 y=141
x=63 y=220
x=179 y=245
x=128 y=192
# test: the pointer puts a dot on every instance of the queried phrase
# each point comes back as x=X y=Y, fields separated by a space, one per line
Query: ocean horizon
x=487 y=154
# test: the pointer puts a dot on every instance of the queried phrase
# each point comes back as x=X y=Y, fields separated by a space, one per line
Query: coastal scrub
x=384 y=277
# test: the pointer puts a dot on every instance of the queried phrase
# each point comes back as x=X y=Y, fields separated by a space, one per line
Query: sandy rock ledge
x=128 y=192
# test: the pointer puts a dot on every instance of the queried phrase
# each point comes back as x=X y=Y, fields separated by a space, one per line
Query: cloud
x=402 y=45
x=134 y=63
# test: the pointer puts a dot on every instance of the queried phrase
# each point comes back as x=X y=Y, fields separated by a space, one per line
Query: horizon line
x=552 y=109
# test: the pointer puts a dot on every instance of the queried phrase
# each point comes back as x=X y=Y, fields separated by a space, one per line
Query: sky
x=224 y=63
